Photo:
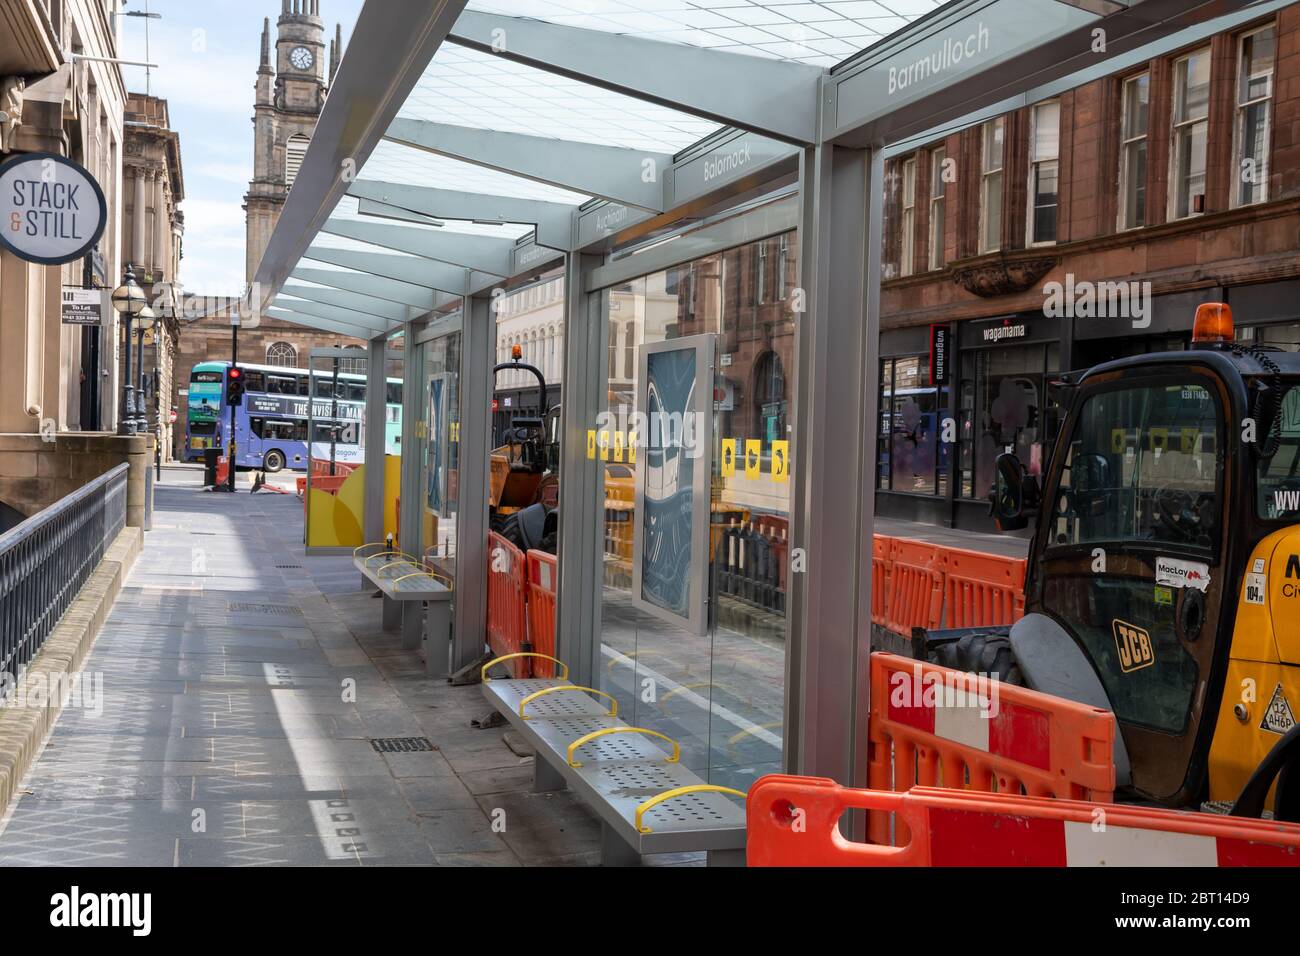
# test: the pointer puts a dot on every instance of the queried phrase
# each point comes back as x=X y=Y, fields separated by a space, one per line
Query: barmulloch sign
x=51 y=209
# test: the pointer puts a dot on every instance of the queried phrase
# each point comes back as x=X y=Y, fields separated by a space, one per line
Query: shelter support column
x=832 y=508
x=415 y=431
x=582 y=485
x=376 y=416
x=478 y=351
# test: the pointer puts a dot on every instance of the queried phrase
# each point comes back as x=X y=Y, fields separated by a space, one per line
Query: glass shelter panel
x=438 y=434
x=718 y=690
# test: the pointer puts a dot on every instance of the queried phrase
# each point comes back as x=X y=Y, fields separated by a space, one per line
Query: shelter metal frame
x=803 y=148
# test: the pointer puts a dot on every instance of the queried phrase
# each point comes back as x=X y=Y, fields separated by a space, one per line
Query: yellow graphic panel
x=780 y=461
x=337 y=519
x=753 y=458
x=728 y=458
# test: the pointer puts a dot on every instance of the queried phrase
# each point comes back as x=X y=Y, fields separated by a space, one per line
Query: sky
x=207 y=55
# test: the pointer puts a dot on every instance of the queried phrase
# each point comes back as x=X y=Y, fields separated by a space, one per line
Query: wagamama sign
x=51 y=210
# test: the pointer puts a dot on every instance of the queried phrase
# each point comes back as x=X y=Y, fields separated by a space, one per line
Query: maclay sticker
x=1182 y=574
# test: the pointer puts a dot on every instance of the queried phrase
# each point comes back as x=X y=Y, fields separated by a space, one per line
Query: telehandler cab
x=1163 y=578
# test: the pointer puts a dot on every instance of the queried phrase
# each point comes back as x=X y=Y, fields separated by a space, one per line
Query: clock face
x=301 y=58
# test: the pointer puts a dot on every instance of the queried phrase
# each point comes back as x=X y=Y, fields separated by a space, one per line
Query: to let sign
x=51 y=209
x=83 y=306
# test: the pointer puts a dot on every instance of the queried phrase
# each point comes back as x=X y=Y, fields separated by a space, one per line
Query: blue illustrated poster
x=667 y=513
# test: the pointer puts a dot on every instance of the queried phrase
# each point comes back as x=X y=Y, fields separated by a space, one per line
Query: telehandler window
x=1277 y=490
x=1142 y=466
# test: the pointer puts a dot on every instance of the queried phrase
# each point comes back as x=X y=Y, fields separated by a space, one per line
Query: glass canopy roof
x=465 y=87
x=822 y=33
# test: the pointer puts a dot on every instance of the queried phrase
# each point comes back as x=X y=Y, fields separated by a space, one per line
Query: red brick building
x=1030 y=240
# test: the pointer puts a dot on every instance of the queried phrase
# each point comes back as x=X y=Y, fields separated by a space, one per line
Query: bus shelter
x=704 y=185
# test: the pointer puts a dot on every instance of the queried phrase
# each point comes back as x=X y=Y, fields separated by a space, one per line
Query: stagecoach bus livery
x=271 y=423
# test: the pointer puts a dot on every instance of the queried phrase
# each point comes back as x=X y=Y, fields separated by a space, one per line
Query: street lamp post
x=129 y=301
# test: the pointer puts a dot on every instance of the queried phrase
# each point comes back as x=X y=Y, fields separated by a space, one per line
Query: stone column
x=161 y=230
x=139 y=458
x=22 y=332
x=138 y=219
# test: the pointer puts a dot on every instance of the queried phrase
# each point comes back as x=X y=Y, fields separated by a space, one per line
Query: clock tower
x=290 y=95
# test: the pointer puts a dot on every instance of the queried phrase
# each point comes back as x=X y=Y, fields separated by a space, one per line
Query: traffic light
x=234 y=386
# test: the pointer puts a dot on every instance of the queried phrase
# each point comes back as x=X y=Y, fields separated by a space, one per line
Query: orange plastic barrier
x=981 y=589
x=507 y=627
x=881 y=548
x=542 y=578
x=915 y=586
x=321 y=469
x=934 y=726
x=223 y=471
x=794 y=821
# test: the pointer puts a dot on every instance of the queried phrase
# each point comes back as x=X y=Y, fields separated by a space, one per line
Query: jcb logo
x=1134 y=646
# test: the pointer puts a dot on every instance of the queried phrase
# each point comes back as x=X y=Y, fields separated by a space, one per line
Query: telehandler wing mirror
x=1015 y=493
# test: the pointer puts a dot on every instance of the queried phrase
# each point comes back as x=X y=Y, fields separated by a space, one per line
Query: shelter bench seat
x=407 y=584
x=647 y=801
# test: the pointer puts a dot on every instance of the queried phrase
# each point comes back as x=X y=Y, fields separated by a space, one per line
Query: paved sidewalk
x=227 y=736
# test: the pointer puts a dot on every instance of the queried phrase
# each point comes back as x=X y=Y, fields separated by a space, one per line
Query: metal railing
x=45 y=561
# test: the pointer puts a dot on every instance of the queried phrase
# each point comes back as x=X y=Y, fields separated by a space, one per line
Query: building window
x=991 y=186
x=907 y=258
x=773 y=403
x=760 y=273
x=1044 y=171
x=783 y=258
x=353 y=366
x=282 y=354
x=1191 y=126
x=1133 y=152
x=937 y=159
x=294 y=151
x=1255 y=60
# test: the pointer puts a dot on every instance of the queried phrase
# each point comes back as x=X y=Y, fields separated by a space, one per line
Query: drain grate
x=244 y=607
x=401 y=745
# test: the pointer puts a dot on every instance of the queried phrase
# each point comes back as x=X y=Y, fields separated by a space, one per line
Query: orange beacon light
x=1213 y=324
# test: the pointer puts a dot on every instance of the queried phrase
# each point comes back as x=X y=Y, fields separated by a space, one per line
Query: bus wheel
x=273 y=461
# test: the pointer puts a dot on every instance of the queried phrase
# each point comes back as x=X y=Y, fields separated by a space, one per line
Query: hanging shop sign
x=938 y=355
x=82 y=306
x=51 y=209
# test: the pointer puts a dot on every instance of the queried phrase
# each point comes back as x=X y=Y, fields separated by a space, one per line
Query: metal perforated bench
x=647 y=801
x=407 y=584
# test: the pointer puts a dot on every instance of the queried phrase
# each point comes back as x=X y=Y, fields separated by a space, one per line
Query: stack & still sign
x=51 y=209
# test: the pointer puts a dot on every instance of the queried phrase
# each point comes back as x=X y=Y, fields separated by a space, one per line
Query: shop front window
x=717 y=690
x=913 y=457
x=1003 y=409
